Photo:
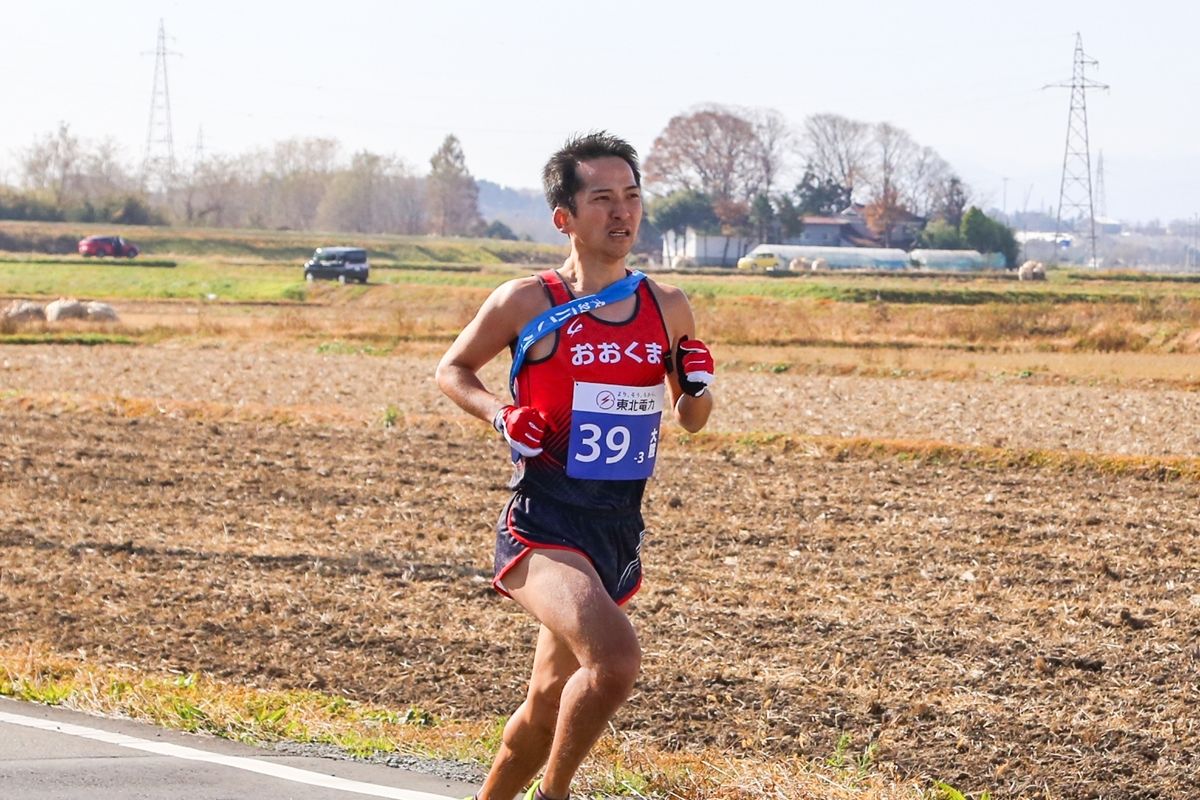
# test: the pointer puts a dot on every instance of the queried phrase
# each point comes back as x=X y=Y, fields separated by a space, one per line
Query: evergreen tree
x=762 y=217
x=823 y=197
x=451 y=196
x=683 y=209
x=981 y=232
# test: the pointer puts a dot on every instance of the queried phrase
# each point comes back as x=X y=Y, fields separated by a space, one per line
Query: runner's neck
x=591 y=277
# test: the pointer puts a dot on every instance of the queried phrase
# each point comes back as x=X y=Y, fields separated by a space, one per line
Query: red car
x=107 y=246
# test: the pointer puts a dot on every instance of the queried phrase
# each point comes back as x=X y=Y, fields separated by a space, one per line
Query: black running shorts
x=611 y=540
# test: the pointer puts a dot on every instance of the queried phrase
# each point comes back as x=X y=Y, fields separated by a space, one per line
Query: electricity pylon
x=158 y=159
x=1075 y=189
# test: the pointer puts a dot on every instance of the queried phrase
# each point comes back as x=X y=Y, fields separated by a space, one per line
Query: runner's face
x=608 y=208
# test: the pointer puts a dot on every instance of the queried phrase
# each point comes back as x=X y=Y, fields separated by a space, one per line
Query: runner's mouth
x=619 y=232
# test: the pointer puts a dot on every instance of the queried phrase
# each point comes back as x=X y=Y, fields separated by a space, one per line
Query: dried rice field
x=236 y=506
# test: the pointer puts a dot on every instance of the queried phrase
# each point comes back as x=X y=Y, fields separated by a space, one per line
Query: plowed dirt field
x=1034 y=632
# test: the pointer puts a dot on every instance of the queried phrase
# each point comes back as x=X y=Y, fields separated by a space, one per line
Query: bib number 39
x=616 y=443
x=614 y=431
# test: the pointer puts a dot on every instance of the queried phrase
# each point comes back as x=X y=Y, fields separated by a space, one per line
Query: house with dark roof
x=849 y=229
x=846 y=229
x=905 y=228
x=823 y=232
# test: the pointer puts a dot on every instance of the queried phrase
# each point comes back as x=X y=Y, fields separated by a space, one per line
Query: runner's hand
x=523 y=427
x=696 y=366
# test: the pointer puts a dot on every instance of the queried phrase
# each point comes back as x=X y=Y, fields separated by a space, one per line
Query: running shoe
x=535 y=793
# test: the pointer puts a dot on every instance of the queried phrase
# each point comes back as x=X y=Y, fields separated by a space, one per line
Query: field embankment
x=263 y=245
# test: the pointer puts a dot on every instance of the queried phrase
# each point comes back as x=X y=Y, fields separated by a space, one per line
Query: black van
x=338 y=263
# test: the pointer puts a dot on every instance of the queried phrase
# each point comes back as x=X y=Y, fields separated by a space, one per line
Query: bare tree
x=713 y=150
x=52 y=164
x=301 y=170
x=218 y=192
x=883 y=214
x=356 y=198
x=924 y=181
x=102 y=174
x=837 y=148
x=408 y=204
x=773 y=138
x=893 y=152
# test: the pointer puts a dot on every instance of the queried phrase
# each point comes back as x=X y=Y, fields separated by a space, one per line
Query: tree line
x=299 y=184
x=719 y=169
x=750 y=172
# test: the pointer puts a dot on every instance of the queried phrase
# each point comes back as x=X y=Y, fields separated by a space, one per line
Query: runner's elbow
x=449 y=377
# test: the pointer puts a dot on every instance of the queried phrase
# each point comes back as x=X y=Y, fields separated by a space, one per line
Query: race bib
x=614 y=431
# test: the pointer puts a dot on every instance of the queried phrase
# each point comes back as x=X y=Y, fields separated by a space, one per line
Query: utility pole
x=198 y=151
x=1195 y=240
x=1075 y=189
x=1101 y=199
x=158 y=159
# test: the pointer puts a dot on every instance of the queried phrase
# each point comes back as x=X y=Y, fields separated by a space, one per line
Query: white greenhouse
x=839 y=257
x=957 y=259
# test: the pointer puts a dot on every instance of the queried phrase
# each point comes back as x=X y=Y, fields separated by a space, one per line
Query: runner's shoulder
x=668 y=296
x=522 y=297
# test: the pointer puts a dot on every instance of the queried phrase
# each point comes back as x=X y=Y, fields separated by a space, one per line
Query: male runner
x=584 y=424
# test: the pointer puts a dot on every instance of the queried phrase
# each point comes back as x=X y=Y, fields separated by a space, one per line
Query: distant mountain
x=523 y=210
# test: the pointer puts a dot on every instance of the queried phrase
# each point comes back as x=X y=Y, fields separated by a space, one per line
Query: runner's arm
x=690 y=412
x=497 y=323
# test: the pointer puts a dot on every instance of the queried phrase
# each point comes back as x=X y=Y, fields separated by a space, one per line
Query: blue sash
x=554 y=318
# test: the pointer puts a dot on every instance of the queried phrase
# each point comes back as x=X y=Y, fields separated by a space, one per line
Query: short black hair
x=559 y=177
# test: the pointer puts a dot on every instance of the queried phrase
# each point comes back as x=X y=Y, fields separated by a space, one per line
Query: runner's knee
x=616 y=673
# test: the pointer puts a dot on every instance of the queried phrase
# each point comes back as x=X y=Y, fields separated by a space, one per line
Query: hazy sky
x=512 y=79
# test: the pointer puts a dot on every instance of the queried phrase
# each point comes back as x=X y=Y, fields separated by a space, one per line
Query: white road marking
x=237 y=762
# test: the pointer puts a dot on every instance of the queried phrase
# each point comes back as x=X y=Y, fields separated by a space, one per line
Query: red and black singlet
x=633 y=352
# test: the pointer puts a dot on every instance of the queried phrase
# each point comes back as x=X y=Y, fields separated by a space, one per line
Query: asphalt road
x=53 y=754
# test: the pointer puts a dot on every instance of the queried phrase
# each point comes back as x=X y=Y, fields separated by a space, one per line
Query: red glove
x=696 y=366
x=523 y=427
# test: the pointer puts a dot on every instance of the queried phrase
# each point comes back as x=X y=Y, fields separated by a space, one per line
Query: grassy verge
x=198 y=279
x=76 y=260
x=191 y=279
x=86 y=339
x=1134 y=277
x=290 y=246
x=936 y=291
x=625 y=767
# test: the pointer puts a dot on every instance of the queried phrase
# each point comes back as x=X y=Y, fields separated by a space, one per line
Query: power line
x=158 y=159
x=1075 y=189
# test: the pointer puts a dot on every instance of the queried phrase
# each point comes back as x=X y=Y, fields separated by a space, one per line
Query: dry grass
x=1167 y=326
x=627 y=766
x=1179 y=370
x=827 y=447
x=729 y=310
